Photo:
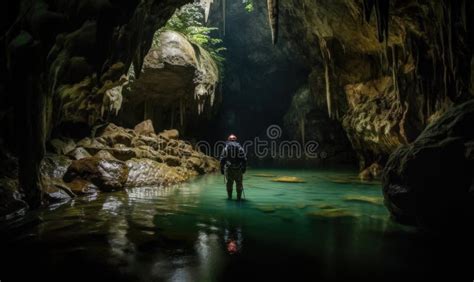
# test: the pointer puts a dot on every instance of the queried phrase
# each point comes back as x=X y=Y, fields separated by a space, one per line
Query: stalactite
x=223 y=16
x=382 y=8
x=328 y=88
x=181 y=112
x=272 y=6
x=395 y=70
x=55 y=80
x=207 y=7
x=326 y=55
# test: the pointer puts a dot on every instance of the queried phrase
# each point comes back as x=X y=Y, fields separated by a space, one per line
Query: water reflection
x=192 y=233
x=233 y=240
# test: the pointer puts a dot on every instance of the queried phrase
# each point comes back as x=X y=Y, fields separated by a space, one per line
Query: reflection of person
x=233 y=240
x=233 y=165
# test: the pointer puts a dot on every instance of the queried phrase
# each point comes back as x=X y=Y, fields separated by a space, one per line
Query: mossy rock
x=288 y=179
x=364 y=199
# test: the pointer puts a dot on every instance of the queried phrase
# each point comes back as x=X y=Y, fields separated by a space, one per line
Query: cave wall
x=389 y=67
x=63 y=63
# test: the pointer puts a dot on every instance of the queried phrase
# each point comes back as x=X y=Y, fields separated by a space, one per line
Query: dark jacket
x=233 y=155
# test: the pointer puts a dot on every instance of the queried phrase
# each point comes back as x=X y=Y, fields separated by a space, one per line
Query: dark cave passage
x=351 y=119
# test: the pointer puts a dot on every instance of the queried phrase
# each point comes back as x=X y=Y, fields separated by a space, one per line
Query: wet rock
x=104 y=154
x=92 y=145
x=145 y=128
x=145 y=172
x=82 y=187
x=148 y=153
x=427 y=182
x=374 y=171
x=332 y=214
x=11 y=204
x=172 y=160
x=108 y=175
x=288 y=179
x=263 y=175
x=54 y=166
x=114 y=135
x=196 y=164
x=154 y=142
x=79 y=153
x=122 y=153
x=267 y=209
x=62 y=147
x=364 y=199
x=170 y=134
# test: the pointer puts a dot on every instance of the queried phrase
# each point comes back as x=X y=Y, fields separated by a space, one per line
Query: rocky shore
x=114 y=159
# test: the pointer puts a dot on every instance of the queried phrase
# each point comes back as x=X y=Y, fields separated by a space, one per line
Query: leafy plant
x=248 y=5
x=189 y=20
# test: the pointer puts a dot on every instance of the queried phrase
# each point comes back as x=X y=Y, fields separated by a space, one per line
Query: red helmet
x=232 y=137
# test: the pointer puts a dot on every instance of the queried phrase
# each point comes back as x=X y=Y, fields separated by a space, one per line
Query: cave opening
x=217 y=140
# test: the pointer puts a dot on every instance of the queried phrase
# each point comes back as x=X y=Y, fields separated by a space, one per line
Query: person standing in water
x=233 y=165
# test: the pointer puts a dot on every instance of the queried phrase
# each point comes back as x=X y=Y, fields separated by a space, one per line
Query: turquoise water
x=332 y=227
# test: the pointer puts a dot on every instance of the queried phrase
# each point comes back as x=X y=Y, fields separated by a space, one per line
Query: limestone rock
x=145 y=172
x=62 y=147
x=172 y=160
x=114 y=134
x=144 y=128
x=170 y=134
x=428 y=182
x=104 y=154
x=79 y=153
x=374 y=171
x=108 y=175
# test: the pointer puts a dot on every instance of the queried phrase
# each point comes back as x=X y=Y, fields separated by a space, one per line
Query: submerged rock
x=332 y=214
x=108 y=175
x=288 y=179
x=263 y=175
x=428 y=182
x=364 y=199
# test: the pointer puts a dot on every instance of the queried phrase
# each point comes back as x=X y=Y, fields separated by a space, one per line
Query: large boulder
x=145 y=127
x=107 y=174
x=114 y=135
x=146 y=172
x=430 y=182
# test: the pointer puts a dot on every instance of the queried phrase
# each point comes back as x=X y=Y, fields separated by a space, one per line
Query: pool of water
x=331 y=227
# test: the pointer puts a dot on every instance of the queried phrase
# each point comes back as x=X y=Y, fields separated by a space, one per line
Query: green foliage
x=248 y=6
x=189 y=20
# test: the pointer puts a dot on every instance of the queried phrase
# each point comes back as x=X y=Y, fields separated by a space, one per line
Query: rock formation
x=430 y=181
x=177 y=84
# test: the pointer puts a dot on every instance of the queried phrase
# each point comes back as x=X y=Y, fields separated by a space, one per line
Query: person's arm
x=223 y=159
